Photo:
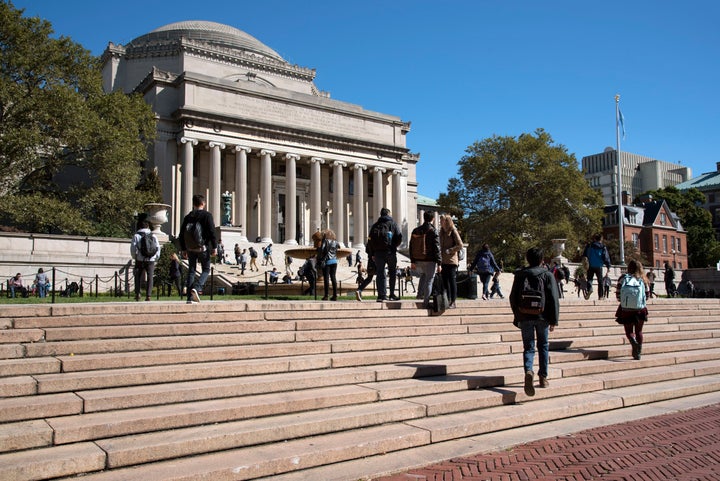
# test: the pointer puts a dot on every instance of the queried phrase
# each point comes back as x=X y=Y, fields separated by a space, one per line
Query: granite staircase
x=240 y=390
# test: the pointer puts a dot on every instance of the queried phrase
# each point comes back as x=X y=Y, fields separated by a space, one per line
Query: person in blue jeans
x=535 y=304
x=486 y=267
x=200 y=254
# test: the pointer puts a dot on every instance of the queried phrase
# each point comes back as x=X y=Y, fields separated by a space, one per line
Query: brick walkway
x=680 y=446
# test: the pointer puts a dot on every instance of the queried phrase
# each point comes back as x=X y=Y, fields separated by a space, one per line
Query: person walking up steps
x=632 y=292
x=383 y=241
x=197 y=244
x=597 y=257
x=536 y=310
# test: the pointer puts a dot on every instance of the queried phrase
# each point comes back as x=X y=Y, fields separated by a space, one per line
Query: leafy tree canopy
x=71 y=156
x=702 y=247
x=514 y=193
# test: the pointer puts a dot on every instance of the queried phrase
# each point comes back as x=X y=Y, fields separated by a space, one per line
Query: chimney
x=626 y=199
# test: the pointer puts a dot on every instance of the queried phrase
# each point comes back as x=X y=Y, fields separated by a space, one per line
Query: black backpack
x=380 y=238
x=193 y=236
x=147 y=245
x=532 y=296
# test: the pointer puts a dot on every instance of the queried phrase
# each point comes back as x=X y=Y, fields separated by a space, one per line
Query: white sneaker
x=194 y=295
x=358 y=296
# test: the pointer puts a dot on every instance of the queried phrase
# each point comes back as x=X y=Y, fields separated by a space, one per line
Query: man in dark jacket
x=203 y=253
x=384 y=252
x=425 y=256
x=535 y=318
x=597 y=257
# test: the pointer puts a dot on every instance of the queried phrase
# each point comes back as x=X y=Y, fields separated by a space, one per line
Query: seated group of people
x=40 y=285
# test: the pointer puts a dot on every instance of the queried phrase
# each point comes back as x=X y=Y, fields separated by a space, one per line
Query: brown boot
x=544 y=382
x=528 y=386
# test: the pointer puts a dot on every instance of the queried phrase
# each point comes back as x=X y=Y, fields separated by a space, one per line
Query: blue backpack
x=632 y=294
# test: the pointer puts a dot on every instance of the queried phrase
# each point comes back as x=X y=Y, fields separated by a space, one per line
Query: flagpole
x=621 y=214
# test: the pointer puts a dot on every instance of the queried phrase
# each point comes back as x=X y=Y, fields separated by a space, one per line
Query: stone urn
x=558 y=247
x=157 y=216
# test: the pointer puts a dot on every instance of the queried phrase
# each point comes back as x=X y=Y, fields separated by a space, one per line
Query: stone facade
x=235 y=118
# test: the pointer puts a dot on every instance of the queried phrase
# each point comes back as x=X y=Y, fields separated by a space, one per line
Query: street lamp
x=672 y=251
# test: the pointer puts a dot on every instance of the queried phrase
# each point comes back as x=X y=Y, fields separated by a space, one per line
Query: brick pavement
x=680 y=446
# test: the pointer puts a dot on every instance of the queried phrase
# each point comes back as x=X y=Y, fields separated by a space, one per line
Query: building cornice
x=226 y=55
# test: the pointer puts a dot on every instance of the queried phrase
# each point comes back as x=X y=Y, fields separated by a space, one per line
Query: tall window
x=665 y=244
x=656 y=242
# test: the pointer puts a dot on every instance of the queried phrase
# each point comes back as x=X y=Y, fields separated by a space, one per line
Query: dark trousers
x=597 y=271
x=449 y=278
x=144 y=272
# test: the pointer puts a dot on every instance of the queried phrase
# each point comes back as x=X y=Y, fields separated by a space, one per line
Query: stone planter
x=157 y=216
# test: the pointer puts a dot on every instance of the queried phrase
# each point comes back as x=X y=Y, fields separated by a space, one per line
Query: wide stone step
x=119 y=360
x=131 y=450
x=463 y=424
x=160 y=330
x=141 y=343
x=123 y=319
x=157 y=394
x=98 y=425
x=53 y=462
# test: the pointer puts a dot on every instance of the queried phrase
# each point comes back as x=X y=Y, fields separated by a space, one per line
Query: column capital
x=318 y=160
x=290 y=156
x=339 y=163
x=359 y=166
x=271 y=153
x=213 y=144
x=400 y=172
x=187 y=140
x=379 y=170
x=240 y=148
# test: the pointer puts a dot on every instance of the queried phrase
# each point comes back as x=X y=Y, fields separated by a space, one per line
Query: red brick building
x=653 y=229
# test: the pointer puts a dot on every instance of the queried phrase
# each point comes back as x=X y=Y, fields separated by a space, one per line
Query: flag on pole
x=621 y=119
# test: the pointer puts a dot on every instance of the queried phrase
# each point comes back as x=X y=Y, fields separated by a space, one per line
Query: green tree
x=71 y=156
x=514 y=193
x=702 y=246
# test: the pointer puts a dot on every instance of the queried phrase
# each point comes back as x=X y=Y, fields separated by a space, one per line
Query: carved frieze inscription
x=297 y=116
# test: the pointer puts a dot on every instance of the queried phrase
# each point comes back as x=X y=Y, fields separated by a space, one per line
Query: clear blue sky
x=464 y=70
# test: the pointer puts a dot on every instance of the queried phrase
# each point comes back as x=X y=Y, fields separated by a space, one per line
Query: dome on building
x=211 y=32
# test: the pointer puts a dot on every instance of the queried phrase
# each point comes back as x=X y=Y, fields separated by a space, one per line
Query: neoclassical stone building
x=276 y=158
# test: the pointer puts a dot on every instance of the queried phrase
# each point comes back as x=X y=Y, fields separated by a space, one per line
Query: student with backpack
x=425 y=256
x=597 y=257
x=536 y=311
x=632 y=292
x=197 y=243
x=145 y=250
x=384 y=238
x=486 y=266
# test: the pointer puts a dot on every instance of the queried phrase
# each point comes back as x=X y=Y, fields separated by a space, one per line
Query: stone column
x=187 y=172
x=290 y=199
x=213 y=204
x=315 y=195
x=266 y=195
x=241 y=185
x=378 y=185
x=399 y=206
x=338 y=200
x=358 y=207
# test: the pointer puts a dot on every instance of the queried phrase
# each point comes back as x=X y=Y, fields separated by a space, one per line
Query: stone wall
x=73 y=257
